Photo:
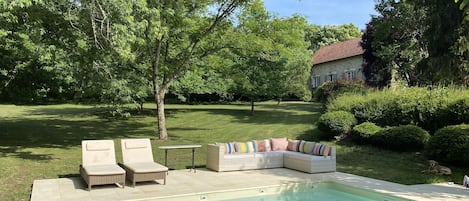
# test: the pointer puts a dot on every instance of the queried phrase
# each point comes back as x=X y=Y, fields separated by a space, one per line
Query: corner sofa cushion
x=279 y=144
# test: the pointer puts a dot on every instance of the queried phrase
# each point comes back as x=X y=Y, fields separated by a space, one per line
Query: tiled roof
x=336 y=51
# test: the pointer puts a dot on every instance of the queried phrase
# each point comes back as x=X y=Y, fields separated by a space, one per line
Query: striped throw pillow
x=244 y=147
x=229 y=148
x=307 y=147
x=261 y=145
x=321 y=149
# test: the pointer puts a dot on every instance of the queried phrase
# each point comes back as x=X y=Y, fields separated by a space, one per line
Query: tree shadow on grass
x=286 y=112
x=56 y=133
x=66 y=127
x=14 y=151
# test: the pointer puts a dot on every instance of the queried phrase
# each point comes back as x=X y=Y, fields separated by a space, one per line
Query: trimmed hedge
x=336 y=123
x=362 y=133
x=450 y=144
x=402 y=138
x=428 y=109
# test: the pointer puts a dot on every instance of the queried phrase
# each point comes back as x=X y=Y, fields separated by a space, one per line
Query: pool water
x=319 y=191
x=327 y=191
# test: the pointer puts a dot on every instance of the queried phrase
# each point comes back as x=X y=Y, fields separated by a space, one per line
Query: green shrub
x=362 y=133
x=428 y=109
x=329 y=90
x=450 y=144
x=402 y=138
x=336 y=123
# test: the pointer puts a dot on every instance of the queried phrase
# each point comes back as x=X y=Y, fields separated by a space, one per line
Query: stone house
x=337 y=61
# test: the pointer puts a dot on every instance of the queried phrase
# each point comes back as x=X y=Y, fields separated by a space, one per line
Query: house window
x=316 y=81
x=331 y=76
x=350 y=74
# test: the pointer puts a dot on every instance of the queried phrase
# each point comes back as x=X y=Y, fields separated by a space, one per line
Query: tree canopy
x=416 y=43
x=120 y=52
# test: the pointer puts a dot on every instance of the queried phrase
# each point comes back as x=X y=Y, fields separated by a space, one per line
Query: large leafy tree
x=270 y=55
x=416 y=43
x=169 y=38
x=445 y=38
x=397 y=42
x=36 y=49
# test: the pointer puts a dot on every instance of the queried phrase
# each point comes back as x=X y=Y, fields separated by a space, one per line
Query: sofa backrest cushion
x=306 y=147
x=262 y=145
x=315 y=148
x=229 y=147
x=279 y=144
x=321 y=149
x=244 y=147
x=293 y=145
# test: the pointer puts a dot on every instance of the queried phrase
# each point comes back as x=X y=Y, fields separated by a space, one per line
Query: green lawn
x=43 y=142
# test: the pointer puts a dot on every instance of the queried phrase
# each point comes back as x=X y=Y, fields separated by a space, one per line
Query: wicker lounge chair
x=99 y=163
x=138 y=161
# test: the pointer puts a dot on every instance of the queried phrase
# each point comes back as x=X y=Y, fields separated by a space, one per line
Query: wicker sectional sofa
x=220 y=158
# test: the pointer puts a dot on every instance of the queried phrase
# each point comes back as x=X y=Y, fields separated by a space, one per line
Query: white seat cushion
x=146 y=167
x=303 y=156
x=103 y=170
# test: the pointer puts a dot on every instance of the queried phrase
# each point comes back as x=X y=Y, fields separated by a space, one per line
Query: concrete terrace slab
x=185 y=182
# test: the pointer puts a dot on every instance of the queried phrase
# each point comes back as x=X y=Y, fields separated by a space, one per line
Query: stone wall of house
x=344 y=68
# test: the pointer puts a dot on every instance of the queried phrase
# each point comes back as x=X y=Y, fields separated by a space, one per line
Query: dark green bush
x=450 y=144
x=334 y=88
x=401 y=138
x=362 y=133
x=336 y=123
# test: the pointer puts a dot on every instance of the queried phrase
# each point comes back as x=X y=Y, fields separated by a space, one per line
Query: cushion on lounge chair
x=146 y=167
x=103 y=169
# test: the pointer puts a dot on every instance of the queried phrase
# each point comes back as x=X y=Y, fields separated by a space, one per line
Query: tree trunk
x=252 y=106
x=161 y=115
x=159 y=93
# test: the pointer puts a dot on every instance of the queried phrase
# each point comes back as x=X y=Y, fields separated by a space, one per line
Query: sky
x=325 y=12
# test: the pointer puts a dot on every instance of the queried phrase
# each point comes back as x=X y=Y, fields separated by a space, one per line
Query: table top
x=189 y=146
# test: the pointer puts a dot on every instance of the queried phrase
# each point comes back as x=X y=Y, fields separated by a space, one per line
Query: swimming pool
x=320 y=191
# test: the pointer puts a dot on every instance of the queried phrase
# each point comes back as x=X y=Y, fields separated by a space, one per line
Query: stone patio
x=185 y=182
